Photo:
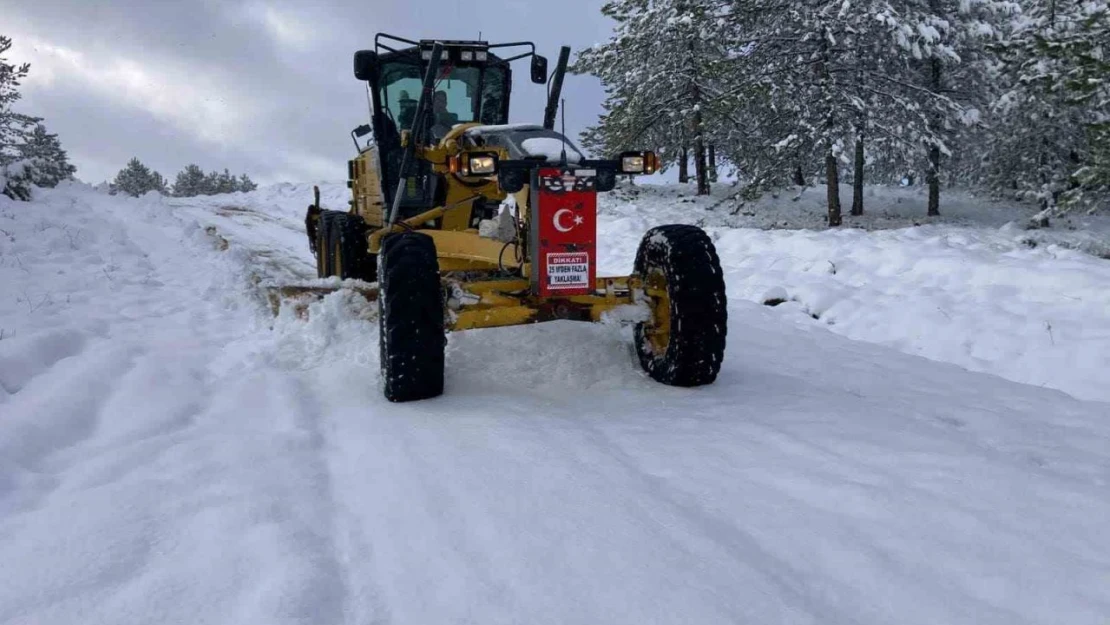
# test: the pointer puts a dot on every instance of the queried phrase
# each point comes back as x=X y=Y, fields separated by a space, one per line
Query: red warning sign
x=564 y=232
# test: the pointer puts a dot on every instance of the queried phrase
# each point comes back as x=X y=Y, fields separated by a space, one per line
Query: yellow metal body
x=496 y=303
x=474 y=302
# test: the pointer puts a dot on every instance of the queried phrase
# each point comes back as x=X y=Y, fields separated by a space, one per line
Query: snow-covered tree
x=137 y=179
x=660 y=70
x=226 y=183
x=29 y=155
x=189 y=182
x=245 y=184
x=192 y=181
x=51 y=163
x=211 y=183
x=949 y=41
x=1052 y=137
x=13 y=126
x=818 y=78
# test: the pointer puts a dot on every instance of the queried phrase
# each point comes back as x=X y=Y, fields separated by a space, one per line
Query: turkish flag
x=565 y=209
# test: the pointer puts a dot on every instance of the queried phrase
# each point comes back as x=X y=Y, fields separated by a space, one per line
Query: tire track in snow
x=352 y=552
x=706 y=526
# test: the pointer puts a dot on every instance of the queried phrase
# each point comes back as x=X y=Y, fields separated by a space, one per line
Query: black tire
x=694 y=347
x=410 y=313
x=351 y=257
x=324 y=246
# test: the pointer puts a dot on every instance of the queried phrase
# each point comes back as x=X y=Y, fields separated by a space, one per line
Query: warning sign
x=563 y=236
x=568 y=270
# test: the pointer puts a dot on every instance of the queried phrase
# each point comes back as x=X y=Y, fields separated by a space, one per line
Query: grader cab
x=464 y=221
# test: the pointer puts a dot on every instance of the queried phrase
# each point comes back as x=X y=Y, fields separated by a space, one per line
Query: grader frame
x=428 y=234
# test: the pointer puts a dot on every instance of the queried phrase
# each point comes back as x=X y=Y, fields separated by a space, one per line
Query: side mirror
x=539 y=69
x=357 y=134
x=366 y=64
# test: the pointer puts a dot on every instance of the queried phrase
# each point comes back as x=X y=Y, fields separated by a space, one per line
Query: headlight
x=467 y=55
x=483 y=165
x=632 y=164
x=639 y=163
x=474 y=164
x=481 y=56
x=426 y=55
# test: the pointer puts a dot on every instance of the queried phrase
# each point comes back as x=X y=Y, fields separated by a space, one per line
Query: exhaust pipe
x=556 y=89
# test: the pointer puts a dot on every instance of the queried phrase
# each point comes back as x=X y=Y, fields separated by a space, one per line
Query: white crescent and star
x=558 y=223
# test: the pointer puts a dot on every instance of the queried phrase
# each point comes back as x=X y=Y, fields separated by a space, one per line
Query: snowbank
x=987 y=298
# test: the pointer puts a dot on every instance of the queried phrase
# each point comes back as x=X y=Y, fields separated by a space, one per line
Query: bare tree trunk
x=833 y=185
x=684 y=166
x=933 y=178
x=700 y=165
x=857 y=180
x=799 y=177
x=712 y=163
x=832 y=176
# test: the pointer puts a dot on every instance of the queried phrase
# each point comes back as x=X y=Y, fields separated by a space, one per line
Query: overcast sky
x=257 y=86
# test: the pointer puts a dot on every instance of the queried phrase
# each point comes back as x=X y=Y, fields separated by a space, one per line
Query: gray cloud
x=261 y=86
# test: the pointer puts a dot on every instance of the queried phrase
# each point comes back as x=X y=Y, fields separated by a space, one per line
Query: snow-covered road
x=171 y=454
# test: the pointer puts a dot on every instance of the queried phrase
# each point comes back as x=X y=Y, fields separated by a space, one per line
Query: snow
x=551 y=149
x=1000 y=300
x=171 y=453
x=481 y=130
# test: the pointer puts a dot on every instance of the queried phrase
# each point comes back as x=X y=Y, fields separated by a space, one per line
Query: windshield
x=456 y=99
x=454 y=94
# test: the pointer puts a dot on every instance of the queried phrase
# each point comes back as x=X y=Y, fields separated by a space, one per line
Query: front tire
x=684 y=343
x=410 y=313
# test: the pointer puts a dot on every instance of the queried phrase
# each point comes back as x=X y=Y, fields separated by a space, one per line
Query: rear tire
x=324 y=245
x=410 y=313
x=684 y=344
x=351 y=250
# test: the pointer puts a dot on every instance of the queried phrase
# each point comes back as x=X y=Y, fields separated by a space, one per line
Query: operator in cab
x=444 y=119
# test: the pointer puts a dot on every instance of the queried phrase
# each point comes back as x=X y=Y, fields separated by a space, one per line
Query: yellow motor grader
x=465 y=221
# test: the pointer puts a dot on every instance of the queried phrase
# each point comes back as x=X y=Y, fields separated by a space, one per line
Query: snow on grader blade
x=463 y=221
x=299 y=296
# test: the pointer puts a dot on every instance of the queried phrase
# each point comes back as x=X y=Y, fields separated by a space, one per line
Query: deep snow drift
x=170 y=453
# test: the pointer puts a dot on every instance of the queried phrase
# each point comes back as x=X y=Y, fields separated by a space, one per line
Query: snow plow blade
x=301 y=295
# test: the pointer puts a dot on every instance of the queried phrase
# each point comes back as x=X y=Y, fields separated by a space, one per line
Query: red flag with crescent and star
x=566 y=213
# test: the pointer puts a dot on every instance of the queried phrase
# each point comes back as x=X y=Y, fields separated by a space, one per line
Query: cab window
x=455 y=91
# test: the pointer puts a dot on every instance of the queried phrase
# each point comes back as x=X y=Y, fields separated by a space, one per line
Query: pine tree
x=211 y=184
x=951 y=59
x=246 y=185
x=226 y=183
x=137 y=179
x=813 y=79
x=189 y=182
x=18 y=173
x=659 y=70
x=1052 y=141
x=51 y=163
x=13 y=126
